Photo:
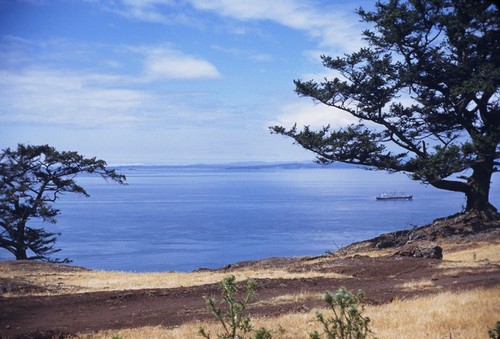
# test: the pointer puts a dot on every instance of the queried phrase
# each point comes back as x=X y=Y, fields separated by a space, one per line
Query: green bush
x=494 y=333
x=234 y=323
x=346 y=322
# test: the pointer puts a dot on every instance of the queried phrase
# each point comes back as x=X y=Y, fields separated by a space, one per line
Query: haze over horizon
x=168 y=81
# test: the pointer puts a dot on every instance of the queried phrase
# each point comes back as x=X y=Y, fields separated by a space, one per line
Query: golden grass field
x=465 y=314
x=81 y=281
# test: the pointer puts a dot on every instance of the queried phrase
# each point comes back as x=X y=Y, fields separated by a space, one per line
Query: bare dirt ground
x=382 y=278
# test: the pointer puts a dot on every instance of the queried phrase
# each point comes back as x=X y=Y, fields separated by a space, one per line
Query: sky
x=168 y=81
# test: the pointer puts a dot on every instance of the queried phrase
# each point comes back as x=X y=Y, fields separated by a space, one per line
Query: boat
x=394 y=196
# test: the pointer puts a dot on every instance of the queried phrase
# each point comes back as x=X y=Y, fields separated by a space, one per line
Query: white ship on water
x=394 y=196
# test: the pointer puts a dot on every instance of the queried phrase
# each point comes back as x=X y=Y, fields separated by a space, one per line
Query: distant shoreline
x=244 y=165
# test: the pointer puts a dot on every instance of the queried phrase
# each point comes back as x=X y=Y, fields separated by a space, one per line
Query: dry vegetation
x=79 y=280
x=83 y=280
x=475 y=253
x=466 y=315
x=439 y=314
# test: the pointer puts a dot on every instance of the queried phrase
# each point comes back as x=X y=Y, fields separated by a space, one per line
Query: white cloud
x=249 y=54
x=334 y=26
x=143 y=10
x=41 y=92
x=53 y=97
x=250 y=10
x=314 y=115
x=47 y=96
x=167 y=64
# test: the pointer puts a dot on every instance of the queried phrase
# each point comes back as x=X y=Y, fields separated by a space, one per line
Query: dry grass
x=460 y=260
x=417 y=285
x=361 y=249
x=485 y=255
x=473 y=252
x=287 y=299
x=482 y=251
x=446 y=315
x=81 y=281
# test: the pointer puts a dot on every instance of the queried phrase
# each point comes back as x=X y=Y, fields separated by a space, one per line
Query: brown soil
x=381 y=278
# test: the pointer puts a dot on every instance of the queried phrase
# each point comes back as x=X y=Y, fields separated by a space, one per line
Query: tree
x=31 y=179
x=426 y=93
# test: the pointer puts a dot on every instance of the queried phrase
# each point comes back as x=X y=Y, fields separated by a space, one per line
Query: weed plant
x=346 y=321
x=235 y=325
x=494 y=333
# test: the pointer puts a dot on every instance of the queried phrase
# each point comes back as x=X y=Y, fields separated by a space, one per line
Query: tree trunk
x=20 y=246
x=21 y=254
x=476 y=189
x=479 y=189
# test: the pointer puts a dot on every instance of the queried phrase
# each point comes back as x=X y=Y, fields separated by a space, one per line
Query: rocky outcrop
x=422 y=249
x=459 y=227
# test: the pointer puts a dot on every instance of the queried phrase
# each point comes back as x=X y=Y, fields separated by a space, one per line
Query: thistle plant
x=346 y=322
x=494 y=333
x=234 y=323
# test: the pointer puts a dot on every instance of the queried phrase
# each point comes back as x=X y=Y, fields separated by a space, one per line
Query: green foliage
x=232 y=316
x=32 y=178
x=425 y=90
x=346 y=321
x=494 y=333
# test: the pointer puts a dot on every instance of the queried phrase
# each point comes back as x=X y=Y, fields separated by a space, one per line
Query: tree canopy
x=425 y=89
x=32 y=178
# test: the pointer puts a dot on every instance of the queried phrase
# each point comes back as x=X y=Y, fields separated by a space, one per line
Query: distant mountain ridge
x=253 y=165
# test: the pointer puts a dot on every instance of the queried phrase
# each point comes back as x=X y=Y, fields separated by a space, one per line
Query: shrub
x=494 y=333
x=347 y=320
x=231 y=317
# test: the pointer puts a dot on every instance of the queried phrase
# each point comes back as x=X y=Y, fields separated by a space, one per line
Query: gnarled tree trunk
x=478 y=185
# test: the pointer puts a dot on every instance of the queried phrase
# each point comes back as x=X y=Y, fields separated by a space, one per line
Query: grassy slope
x=443 y=315
x=465 y=315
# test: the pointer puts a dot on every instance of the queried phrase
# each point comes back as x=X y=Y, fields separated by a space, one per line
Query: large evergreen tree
x=32 y=178
x=426 y=87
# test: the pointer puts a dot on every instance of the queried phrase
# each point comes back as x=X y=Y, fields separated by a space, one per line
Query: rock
x=385 y=244
x=427 y=250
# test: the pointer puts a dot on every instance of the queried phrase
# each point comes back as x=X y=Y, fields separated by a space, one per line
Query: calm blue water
x=183 y=219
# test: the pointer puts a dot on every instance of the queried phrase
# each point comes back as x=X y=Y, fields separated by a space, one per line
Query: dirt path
x=380 y=278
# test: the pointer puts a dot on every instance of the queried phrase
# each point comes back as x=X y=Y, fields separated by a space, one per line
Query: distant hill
x=286 y=165
x=256 y=165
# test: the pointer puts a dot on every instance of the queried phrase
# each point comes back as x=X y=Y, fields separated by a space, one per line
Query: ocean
x=174 y=218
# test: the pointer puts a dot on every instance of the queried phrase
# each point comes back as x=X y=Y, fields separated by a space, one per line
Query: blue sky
x=168 y=81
